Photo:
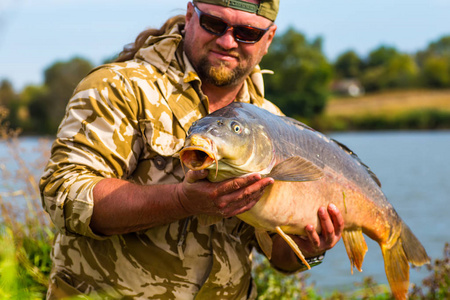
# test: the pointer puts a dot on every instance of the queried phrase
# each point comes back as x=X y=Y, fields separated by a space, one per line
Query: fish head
x=227 y=144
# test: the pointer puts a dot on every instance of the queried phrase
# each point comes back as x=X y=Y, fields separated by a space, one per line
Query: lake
x=414 y=169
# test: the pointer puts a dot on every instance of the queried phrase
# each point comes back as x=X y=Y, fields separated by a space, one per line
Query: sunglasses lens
x=248 y=34
x=213 y=25
x=217 y=26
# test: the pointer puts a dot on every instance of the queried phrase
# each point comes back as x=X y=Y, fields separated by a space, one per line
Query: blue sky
x=36 y=33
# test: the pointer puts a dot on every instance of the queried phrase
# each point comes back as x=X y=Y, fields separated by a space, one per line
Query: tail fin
x=406 y=249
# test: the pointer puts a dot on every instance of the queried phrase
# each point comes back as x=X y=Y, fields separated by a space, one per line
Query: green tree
x=7 y=93
x=348 y=65
x=48 y=104
x=436 y=72
x=435 y=64
x=439 y=48
x=386 y=68
x=9 y=99
x=381 y=56
x=35 y=116
x=302 y=75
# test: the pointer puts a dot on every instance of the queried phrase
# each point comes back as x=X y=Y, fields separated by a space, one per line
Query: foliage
x=273 y=285
x=25 y=232
x=387 y=68
x=299 y=85
x=60 y=80
x=348 y=65
x=437 y=284
x=416 y=120
x=7 y=93
x=436 y=72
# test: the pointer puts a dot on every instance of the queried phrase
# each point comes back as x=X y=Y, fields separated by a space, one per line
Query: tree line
x=300 y=86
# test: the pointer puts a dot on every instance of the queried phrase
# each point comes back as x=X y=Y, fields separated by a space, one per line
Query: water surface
x=414 y=170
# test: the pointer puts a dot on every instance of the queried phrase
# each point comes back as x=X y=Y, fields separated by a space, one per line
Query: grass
x=25 y=231
x=389 y=103
x=399 y=110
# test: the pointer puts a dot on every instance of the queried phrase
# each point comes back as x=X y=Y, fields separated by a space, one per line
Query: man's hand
x=313 y=245
x=225 y=199
x=332 y=224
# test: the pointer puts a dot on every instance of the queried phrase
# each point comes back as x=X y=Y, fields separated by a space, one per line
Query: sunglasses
x=241 y=33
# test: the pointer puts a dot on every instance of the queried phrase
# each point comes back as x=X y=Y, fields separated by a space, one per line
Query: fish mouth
x=199 y=153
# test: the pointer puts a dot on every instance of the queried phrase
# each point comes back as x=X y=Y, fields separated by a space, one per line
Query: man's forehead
x=265 y=8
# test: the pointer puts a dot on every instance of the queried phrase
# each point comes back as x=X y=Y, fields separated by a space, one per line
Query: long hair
x=130 y=49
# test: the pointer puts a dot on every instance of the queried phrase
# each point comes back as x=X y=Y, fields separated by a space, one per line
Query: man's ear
x=189 y=12
x=271 y=35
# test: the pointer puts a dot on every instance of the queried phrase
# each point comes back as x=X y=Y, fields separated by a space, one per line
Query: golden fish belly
x=293 y=205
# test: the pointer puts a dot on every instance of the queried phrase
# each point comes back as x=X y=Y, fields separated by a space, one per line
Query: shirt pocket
x=161 y=139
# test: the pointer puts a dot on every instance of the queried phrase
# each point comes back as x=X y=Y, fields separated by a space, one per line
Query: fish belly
x=293 y=205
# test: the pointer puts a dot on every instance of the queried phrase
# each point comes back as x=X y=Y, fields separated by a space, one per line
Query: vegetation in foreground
x=26 y=236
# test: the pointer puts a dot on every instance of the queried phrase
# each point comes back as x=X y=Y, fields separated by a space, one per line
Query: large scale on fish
x=310 y=170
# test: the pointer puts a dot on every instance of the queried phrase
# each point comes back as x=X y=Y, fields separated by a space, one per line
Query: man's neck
x=220 y=97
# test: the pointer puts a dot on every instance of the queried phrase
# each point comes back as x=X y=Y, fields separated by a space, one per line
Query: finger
x=337 y=219
x=244 y=208
x=327 y=225
x=236 y=184
x=252 y=191
x=313 y=236
x=193 y=176
x=244 y=199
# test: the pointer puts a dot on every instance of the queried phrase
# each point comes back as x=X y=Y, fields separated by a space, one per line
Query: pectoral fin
x=293 y=245
x=264 y=241
x=356 y=247
x=296 y=169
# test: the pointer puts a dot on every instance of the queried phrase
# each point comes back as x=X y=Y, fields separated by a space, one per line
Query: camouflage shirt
x=127 y=120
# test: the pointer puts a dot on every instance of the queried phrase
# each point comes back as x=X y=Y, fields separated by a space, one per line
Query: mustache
x=232 y=53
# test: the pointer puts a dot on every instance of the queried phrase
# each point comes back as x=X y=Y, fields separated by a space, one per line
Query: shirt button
x=160 y=162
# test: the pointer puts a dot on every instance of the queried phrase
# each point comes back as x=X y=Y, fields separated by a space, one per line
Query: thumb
x=193 y=176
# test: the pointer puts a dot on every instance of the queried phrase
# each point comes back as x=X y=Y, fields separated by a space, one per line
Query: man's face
x=221 y=60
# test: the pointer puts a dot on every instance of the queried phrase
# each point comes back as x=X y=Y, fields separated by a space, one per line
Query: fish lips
x=199 y=153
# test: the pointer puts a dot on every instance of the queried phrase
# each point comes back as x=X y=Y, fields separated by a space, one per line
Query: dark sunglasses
x=241 y=33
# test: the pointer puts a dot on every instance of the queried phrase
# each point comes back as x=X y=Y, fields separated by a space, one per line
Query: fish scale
x=310 y=171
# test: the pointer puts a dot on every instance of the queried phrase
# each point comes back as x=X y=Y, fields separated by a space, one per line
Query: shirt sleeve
x=98 y=138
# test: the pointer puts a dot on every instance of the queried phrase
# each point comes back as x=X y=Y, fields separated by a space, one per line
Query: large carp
x=310 y=171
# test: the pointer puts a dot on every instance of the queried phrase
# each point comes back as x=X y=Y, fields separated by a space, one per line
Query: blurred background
x=373 y=74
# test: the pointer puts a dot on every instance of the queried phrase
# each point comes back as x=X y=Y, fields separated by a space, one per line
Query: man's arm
x=314 y=245
x=121 y=207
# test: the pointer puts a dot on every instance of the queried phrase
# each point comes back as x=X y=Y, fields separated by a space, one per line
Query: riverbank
x=391 y=110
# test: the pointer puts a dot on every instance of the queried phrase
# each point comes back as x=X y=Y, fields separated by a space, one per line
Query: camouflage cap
x=266 y=8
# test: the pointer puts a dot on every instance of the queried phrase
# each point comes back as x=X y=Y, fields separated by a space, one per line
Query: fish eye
x=236 y=127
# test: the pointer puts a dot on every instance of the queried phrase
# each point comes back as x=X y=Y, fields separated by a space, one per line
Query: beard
x=221 y=75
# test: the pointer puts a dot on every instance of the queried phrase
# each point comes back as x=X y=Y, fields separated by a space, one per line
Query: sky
x=34 y=34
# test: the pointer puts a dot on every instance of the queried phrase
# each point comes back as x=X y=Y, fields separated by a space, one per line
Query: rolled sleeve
x=98 y=138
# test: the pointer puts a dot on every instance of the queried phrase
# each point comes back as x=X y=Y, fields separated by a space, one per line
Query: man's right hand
x=225 y=199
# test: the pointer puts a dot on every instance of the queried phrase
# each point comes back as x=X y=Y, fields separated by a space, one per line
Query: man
x=126 y=213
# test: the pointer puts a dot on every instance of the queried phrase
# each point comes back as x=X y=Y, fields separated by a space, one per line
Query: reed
x=26 y=233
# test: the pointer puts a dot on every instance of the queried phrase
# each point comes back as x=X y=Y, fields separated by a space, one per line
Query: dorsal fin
x=353 y=154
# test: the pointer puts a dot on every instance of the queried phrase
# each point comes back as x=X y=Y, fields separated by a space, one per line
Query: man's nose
x=227 y=41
